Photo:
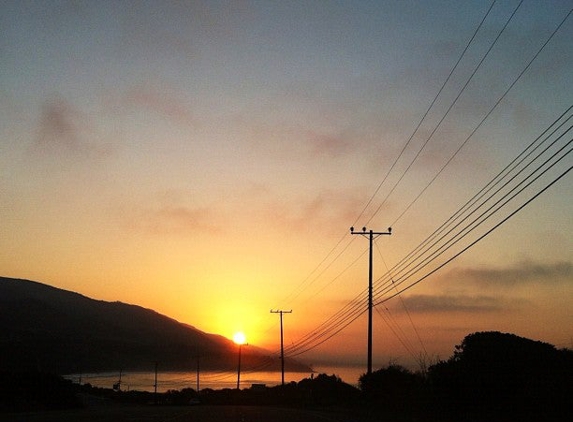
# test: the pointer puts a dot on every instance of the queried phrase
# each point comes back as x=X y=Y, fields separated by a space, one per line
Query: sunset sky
x=206 y=159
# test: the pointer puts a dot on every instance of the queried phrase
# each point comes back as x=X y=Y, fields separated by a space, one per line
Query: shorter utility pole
x=239 y=340
x=117 y=386
x=155 y=385
x=239 y=368
x=282 y=344
x=197 y=373
x=371 y=235
x=198 y=367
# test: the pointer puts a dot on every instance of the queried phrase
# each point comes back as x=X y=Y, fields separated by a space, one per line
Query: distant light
x=239 y=338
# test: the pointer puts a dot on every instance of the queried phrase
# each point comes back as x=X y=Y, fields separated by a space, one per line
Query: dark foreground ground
x=200 y=413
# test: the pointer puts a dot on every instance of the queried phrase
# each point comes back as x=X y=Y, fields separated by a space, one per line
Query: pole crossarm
x=282 y=344
x=371 y=235
x=366 y=233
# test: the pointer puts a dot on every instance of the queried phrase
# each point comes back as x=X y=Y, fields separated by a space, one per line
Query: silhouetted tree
x=34 y=391
x=500 y=374
x=185 y=396
x=327 y=390
x=393 y=389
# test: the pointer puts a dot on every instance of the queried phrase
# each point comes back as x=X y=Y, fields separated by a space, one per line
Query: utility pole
x=240 y=341
x=155 y=385
x=239 y=368
x=371 y=236
x=282 y=344
x=197 y=368
x=197 y=373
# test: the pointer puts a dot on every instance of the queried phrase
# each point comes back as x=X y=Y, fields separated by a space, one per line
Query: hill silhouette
x=55 y=330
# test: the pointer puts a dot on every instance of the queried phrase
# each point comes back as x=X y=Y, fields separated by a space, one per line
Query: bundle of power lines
x=546 y=160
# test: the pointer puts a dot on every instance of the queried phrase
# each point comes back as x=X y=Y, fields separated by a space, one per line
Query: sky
x=206 y=159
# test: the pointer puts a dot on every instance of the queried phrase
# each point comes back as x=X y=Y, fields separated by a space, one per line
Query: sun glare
x=239 y=338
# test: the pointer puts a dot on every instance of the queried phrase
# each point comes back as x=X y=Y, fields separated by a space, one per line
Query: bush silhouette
x=392 y=389
x=493 y=373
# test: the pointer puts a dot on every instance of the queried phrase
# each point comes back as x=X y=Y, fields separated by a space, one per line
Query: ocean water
x=145 y=381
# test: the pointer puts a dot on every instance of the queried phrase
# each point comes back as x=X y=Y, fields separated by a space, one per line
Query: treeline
x=36 y=391
x=490 y=377
x=319 y=391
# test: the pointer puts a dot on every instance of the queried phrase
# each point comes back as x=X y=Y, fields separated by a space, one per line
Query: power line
x=479 y=238
x=453 y=69
x=490 y=112
x=302 y=286
x=423 y=262
x=353 y=316
x=396 y=330
x=404 y=305
x=453 y=103
x=487 y=115
x=504 y=174
x=505 y=199
x=330 y=327
x=355 y=308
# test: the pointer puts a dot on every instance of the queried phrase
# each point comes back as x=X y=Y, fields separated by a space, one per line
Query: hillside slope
x=42 y=327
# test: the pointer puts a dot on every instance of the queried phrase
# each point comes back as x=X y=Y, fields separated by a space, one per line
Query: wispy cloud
x=168 y=214
x=162 y=101
x=524 y=272
x=179 y=220
x=462 y=282
x=60 y=126
x=453 y=303
x=65 y=129
x=286 y=141
x=323 y=144
x=329 y=208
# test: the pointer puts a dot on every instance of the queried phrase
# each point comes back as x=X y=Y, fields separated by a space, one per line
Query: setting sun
x=239 y=338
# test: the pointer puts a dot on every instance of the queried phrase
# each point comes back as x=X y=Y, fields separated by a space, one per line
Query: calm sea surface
x=145 y=381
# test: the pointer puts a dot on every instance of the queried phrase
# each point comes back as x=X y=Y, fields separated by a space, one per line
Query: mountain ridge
x=44 y=327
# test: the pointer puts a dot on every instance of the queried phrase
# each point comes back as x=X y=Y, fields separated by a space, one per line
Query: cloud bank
x=453 y=303
x=522 y=273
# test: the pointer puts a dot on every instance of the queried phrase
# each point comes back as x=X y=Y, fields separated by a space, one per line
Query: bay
x=145 y=381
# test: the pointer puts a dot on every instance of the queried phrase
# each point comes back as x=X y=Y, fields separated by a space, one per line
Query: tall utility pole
x=282 y=344
x=371 y=236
